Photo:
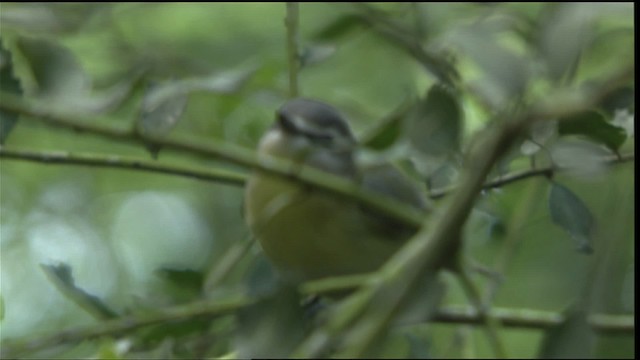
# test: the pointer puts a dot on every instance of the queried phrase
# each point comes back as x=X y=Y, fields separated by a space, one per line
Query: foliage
x=146 y=265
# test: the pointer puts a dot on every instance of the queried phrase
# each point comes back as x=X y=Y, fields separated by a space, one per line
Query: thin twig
x=424 y=252
x=526 y=174
x=485 y=313
x=123 y=325
x=238 y=179
x=427 y=252
x=123 y=162
x=235 y=154
x=228 y=261
x=516 y=318
x=292 y=21
x=534 y=319
x=437 y=241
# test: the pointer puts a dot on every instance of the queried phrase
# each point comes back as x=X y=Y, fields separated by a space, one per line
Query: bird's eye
x=287 y=124
x=321 y=137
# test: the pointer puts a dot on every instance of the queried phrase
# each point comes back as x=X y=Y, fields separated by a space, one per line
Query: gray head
x=315 y=120
x=312 y=132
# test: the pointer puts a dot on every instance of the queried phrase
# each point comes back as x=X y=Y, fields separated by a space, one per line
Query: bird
x=309 y=234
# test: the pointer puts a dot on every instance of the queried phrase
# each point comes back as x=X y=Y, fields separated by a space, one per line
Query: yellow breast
x=309 y=234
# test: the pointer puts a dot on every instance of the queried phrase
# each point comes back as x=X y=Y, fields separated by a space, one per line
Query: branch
x=123 y=162
x=525 y=174
x=485 y=314
x=292 y=21
x=427 y=251
x=123 y=325
x=534 y=319
x=520 y=318
x=46 y=112
x=368 y=313
x=238 y=179
x=38 y=111
x=516 y=318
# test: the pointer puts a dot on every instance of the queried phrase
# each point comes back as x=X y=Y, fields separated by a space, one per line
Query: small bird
x=311 y=234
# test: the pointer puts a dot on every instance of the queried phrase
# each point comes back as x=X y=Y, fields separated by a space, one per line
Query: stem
x=226 y=151
x=120 y=326
x=123 y=162
x=228 y=262
x=526 y=174
x=292 y=21
x=491 y=323
x=510 y=244
x=518 y=318
x=237 y=179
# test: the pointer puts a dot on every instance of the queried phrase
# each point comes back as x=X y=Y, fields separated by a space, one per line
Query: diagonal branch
x=38 y=111
x=46 y=113
x=365 y=319
x=123 y=325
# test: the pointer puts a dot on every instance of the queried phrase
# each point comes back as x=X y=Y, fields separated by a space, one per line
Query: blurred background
x=224 y=68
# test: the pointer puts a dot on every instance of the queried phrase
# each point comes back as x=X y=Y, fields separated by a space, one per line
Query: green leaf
x=436 y=123
x=164 y=103
x=316 y=54
x=571 y=214
x=56 y=71
x=8 y=83
x=593 y=125
x=220 y=83
x=339 y=27
x=442 y=176
x=541 y=132
x=183 y=278
x=505 y=73
x=571 y=339
x=571 y=35
x=58 y=77
x=160 y=113
x=388 y=130
x=564 y=33
x=580 y=158
x=51 y=18
x=61 y=276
